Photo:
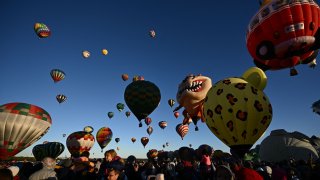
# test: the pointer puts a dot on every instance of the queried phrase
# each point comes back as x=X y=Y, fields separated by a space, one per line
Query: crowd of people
x=184 y=165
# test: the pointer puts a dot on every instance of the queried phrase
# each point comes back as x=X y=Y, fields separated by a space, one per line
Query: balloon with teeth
x=42 y=30
x=191 y=95
x=142 y=97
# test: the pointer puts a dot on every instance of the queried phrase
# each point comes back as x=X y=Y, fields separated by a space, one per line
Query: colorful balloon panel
x=79 y=141
x=182 y=130
x=57 y=75
x=21 y=125
x=104 y=136
x=42 y=30
x=49 y=149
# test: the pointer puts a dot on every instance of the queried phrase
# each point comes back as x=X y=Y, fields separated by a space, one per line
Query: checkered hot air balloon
x=142 y=97
x=21 y=125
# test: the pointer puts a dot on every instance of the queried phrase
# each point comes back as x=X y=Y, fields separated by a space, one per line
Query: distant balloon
x=118 y=148
x=63 y=135
x=104 y=51
x=21 y=125
x=190 y=145
x=117 y=140
x=163 y=124
x=133 y=139
x=148 y=120
x=150 y=130
x=120 y=106
x=61 y=98
x=78 y=142
x=128 y=113
x=182 y=130
x=142 y=98
x=110 y=114
x=137 y=78
x=164 y=146
x=57 y=75
x=85 y=54
x=50 y=149
x=144 y=141
x=88 y=129
x=171 y=102
x=316 y=107
x=167 y=144
x=176 y=114
x=42 y=30
x=104 y=136
x=125 y=77
x=152 y=33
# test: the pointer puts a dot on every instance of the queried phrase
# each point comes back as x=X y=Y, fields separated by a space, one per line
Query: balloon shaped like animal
x=78 y=142
x=50 y=149
x=237 y=111
x=21 y=125
x=284 y=34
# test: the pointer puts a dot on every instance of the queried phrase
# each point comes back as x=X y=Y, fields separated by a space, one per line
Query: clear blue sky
x=200 y=37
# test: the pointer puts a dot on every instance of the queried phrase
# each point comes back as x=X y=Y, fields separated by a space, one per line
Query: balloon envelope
x=21 y=125
x=88 y=129
x=148 y=120
x=104 y=136
x=144 y=141
x=57 y=75
x=104 y=51
x=50 y=149
x=182 y=130
x=120 y=106
x=42 y=30
x=78 y=142
x=110 y=114
x=125 y=77
x=61 y=98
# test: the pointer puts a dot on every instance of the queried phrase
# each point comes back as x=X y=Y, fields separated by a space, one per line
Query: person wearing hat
x=47 y=170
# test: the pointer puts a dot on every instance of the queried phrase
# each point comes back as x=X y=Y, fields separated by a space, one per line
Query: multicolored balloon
x=61 y=98
x=21 y=125
x=294 y=40
x=110 y=114
x=88 y=129
x=125 y=77
x=78 y=142
x=171 y=102
x=104 y=136
x=152 y=153
x=49 y=149
x=150 y=130
x=148 y=120
x=120 y=107
x=142 y=98
x=163 y=124
x=137 y=78
x=237 y=111
x=57 y=75
x=144 y=141
x=42 y=30
x=182 y=130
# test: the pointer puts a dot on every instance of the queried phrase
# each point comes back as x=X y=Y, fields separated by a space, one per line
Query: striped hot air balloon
x=42 y=30
x=171 y=102
x=21 y=125
x=79 y=141
x=182 y=130
x=61 y=98
x=104 y=136
x=163 y=124
x=50 y=149
x=57 y=75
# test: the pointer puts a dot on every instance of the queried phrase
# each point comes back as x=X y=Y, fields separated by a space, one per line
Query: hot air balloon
x=163 y=124
x=110 y=114
x=42 y=30
x=152 y=33
x=50 y=149
x=128 y=113
x=148 y=120
x=137 y=78
x=61 y=98
x=294 y=40
x=191 y=95
x=63 y=135
x=150 y=130
x=167 y=144
x=152 y=153
x=176 y=114
x=144 y=141
x=163 y=145
x=104 y=52
x=85 y=54
x=316 y=107
x=117 y=140
x=78 y=142
x=142 y=98
x=120 y=107
x=125 y=77
x=104 y=136
x=133 y=139
x=237 y=111
x=21 y=125
x=57 y=75
x=171 y=102
x=182 y=130
x=118 y=148
x=88 y=129
x=190 y=145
